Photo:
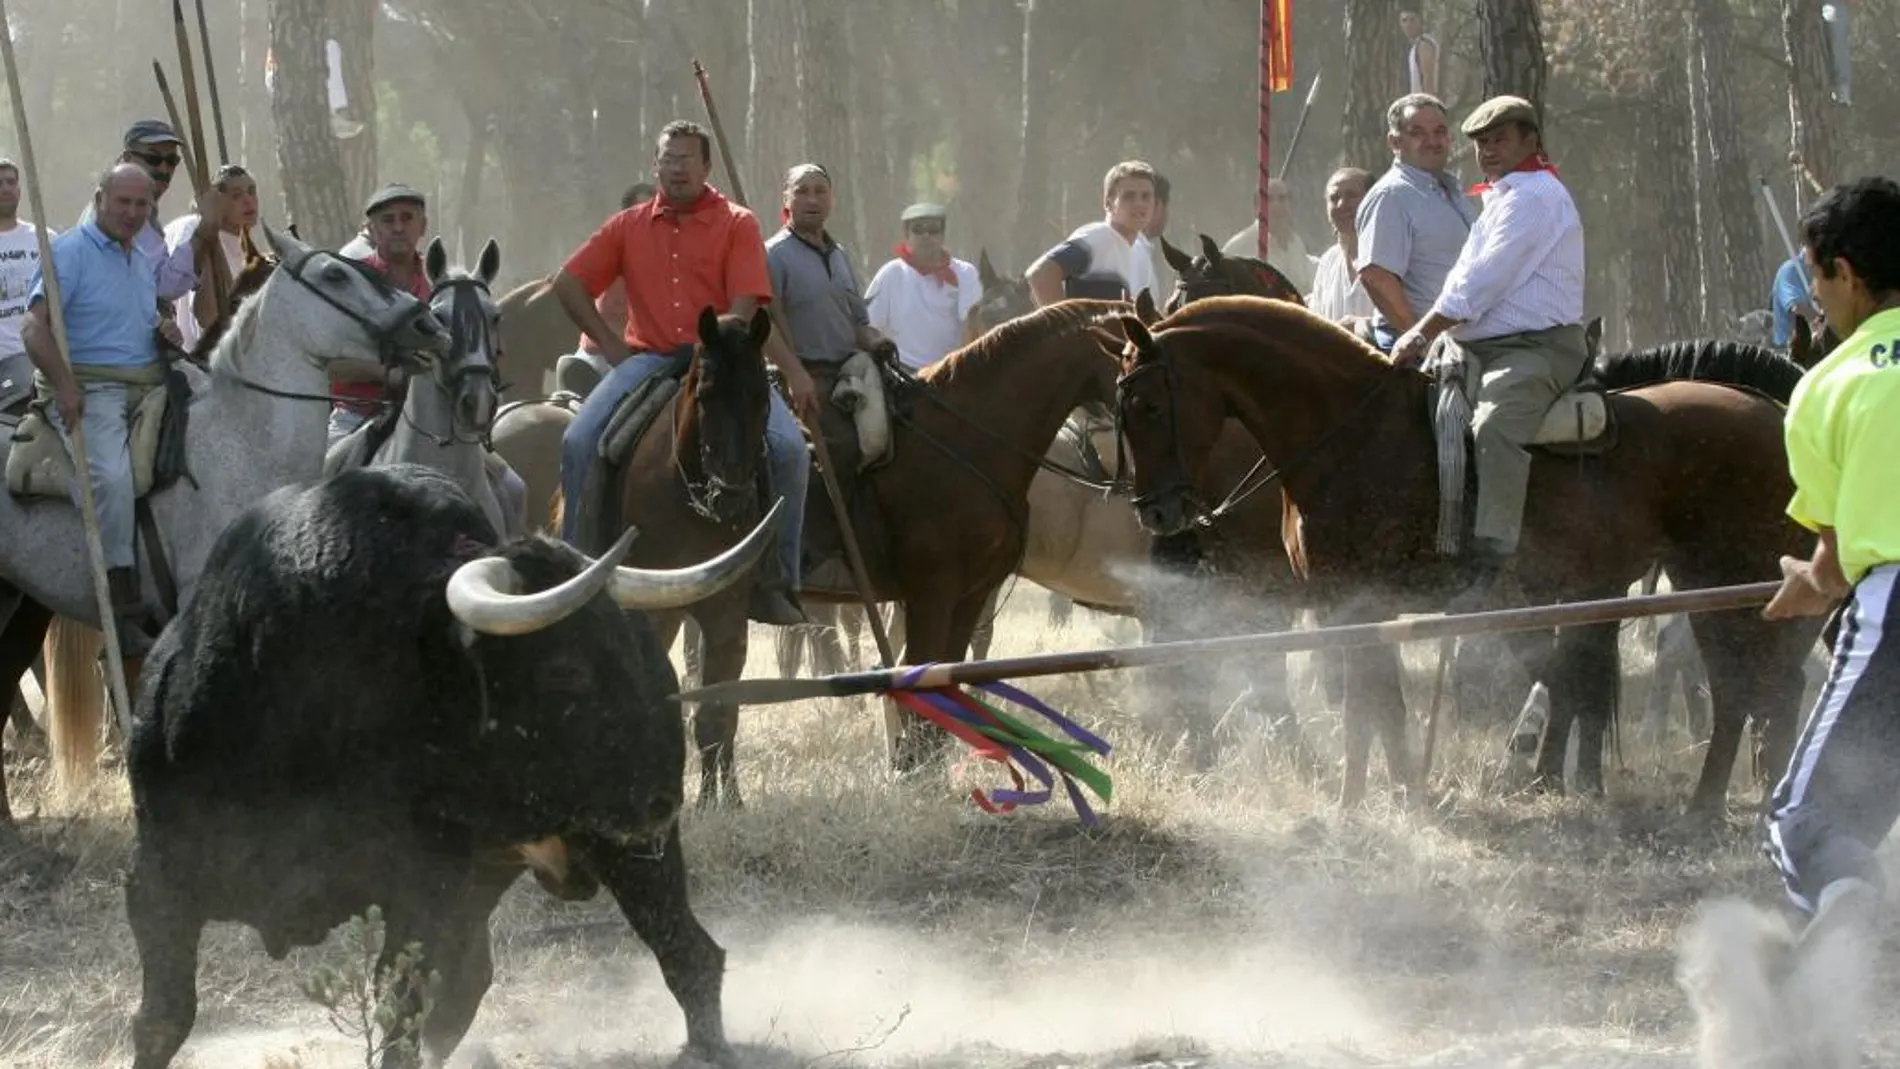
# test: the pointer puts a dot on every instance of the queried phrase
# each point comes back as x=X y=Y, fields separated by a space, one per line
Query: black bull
x=322 y=730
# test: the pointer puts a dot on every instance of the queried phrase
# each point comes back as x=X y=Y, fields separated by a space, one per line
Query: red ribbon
x=1536 y=161
x=944 y=274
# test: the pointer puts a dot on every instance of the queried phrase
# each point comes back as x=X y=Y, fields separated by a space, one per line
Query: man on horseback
x=397 y=218
x=108 y=297
x=1515 y=300
x=685 y=250
x=1841 y=793
x=1414 y=220
x=155 y=148
x=1106 y=260
x=925 y=299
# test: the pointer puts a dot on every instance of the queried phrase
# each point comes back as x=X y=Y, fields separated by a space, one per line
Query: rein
x=459 y=343
x=1116 y=486
x=386 y=351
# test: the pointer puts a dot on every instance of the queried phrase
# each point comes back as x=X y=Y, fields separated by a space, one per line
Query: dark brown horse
x=692 y=485
x=1215 y=274
x=1697 y=481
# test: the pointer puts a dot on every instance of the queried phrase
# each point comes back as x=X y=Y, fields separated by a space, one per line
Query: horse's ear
x=1593 y=337
x=1177 y=259
x=1137 y=333
x=1145 y=309
x=760 y=328
x=490 y=263
x=708 y=327
x=286 y=246
x=1210 y=251
x=1801 y=343
x=985 y=273
x=435 y=261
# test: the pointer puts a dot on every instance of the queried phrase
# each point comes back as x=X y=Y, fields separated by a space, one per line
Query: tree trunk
x=1743 y=280
x=1708 y=310
x=1375 y=77
x=984 y=131
x=880 y=154
x=775 y=125
x=317 y=202
x=353 y=24
x=1811 y=108
x=1511 y=35
x=1675 y=201
x=1033 y=230
x=824 y=90
x=468 y=197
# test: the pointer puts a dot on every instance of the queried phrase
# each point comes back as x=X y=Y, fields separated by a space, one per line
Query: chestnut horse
x=1697 y=480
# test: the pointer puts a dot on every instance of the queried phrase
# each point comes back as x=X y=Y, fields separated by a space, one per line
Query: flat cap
x=924 y=210
x=151 y=132
x=1496 y=112
x=391 y=194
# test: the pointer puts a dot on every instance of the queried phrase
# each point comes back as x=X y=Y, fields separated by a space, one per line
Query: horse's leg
x=1754 y=666
x=931 y=635
x=827 y=652
x=851 y=618
x=716 y=725
x=983 y=630
x=20 y=639
x=1583 y=685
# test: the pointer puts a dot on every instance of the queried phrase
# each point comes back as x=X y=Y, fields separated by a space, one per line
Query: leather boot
x=128 y=611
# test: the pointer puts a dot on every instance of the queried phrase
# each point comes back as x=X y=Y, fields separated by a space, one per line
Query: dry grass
x=1235 y=918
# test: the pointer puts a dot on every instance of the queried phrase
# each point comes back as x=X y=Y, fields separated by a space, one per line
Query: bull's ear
x=1145 y=309
x=760 y=328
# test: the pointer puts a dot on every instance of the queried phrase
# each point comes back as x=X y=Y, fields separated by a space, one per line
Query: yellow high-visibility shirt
x=1843 y=437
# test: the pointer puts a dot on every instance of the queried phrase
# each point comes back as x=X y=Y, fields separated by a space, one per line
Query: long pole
x=76 y=437
x=1293 y=143
x=1267 y=33
x=1781 y=225
x=1404 y=629
x=211 y=83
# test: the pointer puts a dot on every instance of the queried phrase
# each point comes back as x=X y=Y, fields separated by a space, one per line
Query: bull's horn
x=485 y=594
x=635 y=588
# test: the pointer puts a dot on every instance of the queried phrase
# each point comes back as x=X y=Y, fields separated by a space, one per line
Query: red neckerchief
x=707 y=197
x=1536 y=161
x=945 y=275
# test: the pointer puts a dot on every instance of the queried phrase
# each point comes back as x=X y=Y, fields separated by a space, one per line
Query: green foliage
x=367 y=1004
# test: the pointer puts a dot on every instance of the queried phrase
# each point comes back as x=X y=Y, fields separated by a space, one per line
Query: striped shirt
x=1522 y=266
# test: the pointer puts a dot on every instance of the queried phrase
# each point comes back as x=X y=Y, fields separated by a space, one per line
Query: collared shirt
x=364 y=395
x=1789 y=296
x=1097 y=262
x=173 y=269
x=1522 y=266
x=1842 y=433
x=1336 y=289
x=923 y=315
x=1287 y=255
x=106 y=294
x=1413 y=223
x=674 y=263
x=819 y=296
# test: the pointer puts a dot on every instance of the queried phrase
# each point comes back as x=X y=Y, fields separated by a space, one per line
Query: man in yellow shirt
x=1841 y=794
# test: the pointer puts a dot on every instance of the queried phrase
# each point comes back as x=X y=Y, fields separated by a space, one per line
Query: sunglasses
x=927 y=228
x=156 y=160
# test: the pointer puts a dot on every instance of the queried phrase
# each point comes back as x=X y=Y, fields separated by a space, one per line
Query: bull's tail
x=75 y=700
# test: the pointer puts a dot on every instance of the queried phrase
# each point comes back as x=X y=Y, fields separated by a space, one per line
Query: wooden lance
x=1404 y=629
x=220 y=272
x=76 y=438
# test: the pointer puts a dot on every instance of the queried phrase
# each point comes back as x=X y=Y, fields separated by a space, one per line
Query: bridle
x=703 y=494
x=468 y=332
x=1213 y=283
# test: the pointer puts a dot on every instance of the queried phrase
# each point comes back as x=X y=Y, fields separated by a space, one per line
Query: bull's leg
x=465 y=960
x=652 y=896
x=789 y=643
x=165 y=927
x=415 y=913
x=716 y=726
x=20 y=639
x=1583 y=685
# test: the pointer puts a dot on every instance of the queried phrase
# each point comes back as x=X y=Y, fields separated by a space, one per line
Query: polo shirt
x=819 y=296
x=1843 y=433
x=675 y=262
x=109 y=296
x=1413 y=223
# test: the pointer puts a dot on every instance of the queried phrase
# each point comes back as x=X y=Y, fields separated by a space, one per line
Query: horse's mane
x=1730 y=363
x=1019 y=335
x=249 y=280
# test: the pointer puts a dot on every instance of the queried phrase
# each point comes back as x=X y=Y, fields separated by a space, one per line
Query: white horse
x=447 y=414
x=258 y=422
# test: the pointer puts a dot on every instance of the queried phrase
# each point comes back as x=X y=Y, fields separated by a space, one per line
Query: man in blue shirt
x=108 y=297
x=153 y=147
x=1789 y=298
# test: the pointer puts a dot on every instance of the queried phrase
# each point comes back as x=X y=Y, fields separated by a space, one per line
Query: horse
x=446 y=415
x=258 y=421
x=1216 y=274
x=1696 y=479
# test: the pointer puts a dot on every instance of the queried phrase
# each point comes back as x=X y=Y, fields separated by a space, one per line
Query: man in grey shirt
x=815 y=288
x=1413 y=222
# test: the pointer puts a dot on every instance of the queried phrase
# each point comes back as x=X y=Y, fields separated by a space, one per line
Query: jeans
x=1384 y=337
x=107 y=430
x=788 y=458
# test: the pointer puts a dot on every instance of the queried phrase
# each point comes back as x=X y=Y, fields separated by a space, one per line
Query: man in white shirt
x=1107 y=260
x=237 y=239
x=1515 y=299
x=1337 y=294
x=19 y=261
x=925 y=300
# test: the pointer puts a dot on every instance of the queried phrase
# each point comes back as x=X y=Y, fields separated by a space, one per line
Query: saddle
x=600 y=519
x=1579 y=423
x=38 y=465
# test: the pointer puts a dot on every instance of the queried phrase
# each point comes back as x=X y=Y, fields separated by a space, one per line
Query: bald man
x=109 y=298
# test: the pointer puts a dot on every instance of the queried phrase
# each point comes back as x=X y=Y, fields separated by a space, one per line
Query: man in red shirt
x=687 y=248
x=397 y=220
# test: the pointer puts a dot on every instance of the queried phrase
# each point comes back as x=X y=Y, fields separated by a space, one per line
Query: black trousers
x=1841 y=794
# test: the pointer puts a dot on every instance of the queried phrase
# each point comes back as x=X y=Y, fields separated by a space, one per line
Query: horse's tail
x=1750 y=367
x=75 y=699
x=1061 y=611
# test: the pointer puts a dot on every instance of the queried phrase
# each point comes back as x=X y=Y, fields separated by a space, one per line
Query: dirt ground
x=1229 y=920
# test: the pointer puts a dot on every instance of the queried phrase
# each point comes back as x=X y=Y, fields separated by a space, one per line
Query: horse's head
x=723 y=405
x=1169 y=423
x=466 y=375
x=1215 y=274
x=354 y=313
x=1003 y=298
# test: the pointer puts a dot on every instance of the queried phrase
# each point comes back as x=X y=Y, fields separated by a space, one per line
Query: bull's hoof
x=698 y=1055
